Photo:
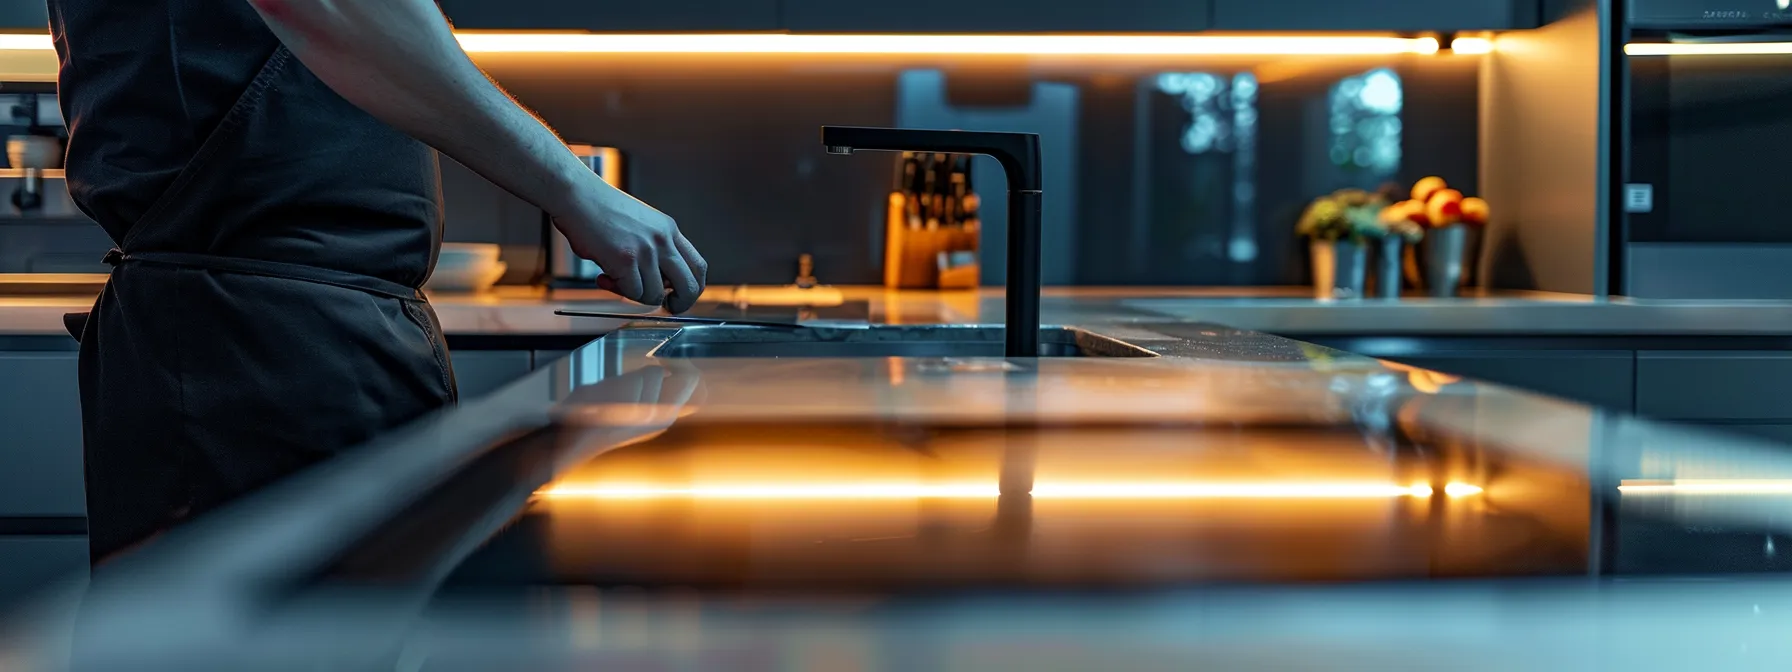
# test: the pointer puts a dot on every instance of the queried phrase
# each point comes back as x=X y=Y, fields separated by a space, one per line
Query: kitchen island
x=1720 y=363
x=1223 y=495
x=526 y=313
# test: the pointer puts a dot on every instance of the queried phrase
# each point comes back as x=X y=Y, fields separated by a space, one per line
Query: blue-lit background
x=1175 y=173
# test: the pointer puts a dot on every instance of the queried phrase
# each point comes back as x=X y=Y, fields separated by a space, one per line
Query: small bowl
x=465 y=278
x=33 y=151
x=467 y=255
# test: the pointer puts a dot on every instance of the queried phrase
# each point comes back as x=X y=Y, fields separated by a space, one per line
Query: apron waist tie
x=270 y=269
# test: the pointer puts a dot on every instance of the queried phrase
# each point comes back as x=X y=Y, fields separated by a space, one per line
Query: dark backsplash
x=1165 y=173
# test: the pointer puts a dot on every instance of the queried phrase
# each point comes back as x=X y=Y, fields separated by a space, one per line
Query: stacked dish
x=466 y=267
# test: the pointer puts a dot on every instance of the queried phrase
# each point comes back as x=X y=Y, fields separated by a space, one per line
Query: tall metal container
x=565 y=267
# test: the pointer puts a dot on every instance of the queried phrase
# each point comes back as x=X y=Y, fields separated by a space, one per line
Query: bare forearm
x=398 y=61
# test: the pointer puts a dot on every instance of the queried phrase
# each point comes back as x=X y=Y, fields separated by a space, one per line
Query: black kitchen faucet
x=1019 y=156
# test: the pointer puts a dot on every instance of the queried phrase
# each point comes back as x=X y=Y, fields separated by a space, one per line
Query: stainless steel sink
x=883 y=341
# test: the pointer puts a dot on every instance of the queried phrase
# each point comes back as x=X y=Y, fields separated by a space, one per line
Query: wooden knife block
x=913 y=257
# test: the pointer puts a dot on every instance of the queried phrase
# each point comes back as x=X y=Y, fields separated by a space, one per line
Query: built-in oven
x=1707 y=198
x=1718 y=14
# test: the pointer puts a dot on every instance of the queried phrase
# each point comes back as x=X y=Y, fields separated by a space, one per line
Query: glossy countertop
x=523 y=311
x=1239 y=498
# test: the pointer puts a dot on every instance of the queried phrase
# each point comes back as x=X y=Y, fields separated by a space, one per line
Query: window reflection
x=1223 y=120
x=1365 y=122
x=1243 y=247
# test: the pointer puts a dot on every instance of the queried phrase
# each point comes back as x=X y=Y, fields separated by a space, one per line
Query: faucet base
x=1024 y=220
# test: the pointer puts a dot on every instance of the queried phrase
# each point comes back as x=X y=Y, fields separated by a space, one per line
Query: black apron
x=263 y=311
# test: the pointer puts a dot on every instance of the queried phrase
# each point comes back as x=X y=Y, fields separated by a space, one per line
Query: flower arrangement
x=1345 y=215
x=1398 y=222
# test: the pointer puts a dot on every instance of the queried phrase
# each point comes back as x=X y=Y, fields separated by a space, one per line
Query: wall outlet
x=1639 y=198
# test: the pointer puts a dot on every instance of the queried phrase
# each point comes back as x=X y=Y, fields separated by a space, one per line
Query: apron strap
x=269 y=269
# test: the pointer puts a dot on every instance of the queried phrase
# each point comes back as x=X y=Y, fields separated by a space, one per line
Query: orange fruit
x=1425 y=187
x=1475 y=211
x=1445 y=207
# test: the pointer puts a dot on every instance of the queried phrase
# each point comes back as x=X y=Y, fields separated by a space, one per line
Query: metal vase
x=1446 y=259
x=1340 y=269
x=1387 y=267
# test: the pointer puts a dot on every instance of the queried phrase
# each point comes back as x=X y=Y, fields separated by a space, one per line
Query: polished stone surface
x=527 y=311
x=1240 y=498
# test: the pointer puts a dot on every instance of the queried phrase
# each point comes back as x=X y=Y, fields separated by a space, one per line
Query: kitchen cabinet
x=29 y=564
x=991 y=16
x=614 y=15
x=546 y=357
x=40 y=435
x=40 y=424
x=1775 y=432
x=480 y=372
x=24 y=15
x=1378 y=15
x=1714 y=385
x=1603 y=378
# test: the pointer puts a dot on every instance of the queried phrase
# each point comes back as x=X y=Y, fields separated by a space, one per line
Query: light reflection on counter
x=1706 y=486
x=990 y=490
x=894 y=504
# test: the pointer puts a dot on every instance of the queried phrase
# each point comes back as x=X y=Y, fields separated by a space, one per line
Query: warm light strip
x=1706 y=48
x=1012 y=45
x=1707 y=487
x=1472 y=45
x=25 y=42
x=981 y=490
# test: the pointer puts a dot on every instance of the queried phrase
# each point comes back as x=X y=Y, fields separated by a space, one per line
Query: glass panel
x=1158 y=169
x=1709 y=134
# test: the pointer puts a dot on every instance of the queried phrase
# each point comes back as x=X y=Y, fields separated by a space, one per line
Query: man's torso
x=302 y=177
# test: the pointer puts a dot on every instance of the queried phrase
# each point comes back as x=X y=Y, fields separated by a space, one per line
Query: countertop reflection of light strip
x=1012 y=45
x=984 y=490
x=1706 y=48
x=1707 y=486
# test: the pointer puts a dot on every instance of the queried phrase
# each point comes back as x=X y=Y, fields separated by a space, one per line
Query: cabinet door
x=1602 y=378
x=31 y=564
x=480 y=372
x=613 y=15
x=1777 y=433
x=23 y=15
x=548 y=357
x=1331 y=15
x=40 y=445
x=1697 y=385
x=996 y=16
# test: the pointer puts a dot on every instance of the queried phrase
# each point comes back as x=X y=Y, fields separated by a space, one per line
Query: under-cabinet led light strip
x=1706 y=48
x=985 y=490
x=1012 y=45
x=25 y=42
x=1007 y=45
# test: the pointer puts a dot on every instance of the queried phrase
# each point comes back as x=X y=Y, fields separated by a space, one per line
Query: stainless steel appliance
x=47 y=245
x=1709 y=14
x=565 y=267
x=1705 y=210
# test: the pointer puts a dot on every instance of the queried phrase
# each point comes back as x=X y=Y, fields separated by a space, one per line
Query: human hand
x=640 y=249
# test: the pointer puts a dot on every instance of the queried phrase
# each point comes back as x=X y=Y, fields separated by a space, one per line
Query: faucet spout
x=1019 y=155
